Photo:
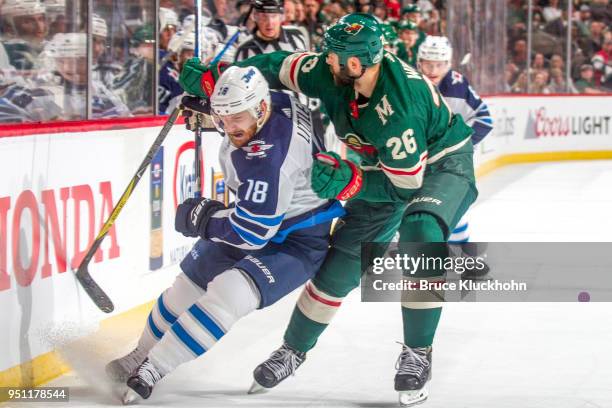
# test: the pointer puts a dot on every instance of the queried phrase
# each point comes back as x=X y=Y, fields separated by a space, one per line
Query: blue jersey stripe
x=186 y=338
x=270 y=222
x=247 y=236
x=460 y=228
x=334 y=211
x=206 y=321
x=156 y=332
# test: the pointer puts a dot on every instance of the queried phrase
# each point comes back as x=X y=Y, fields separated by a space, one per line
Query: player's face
x=73 y=70
x=409 y=37
x=434 y=70
x=269 y=24
x=99 y=46
x=32 y=26
x=239 y=127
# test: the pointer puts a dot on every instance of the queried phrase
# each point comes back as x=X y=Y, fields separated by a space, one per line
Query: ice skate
x=141 y=382
x=281 y=364
x=119 y=370
x=413 y=372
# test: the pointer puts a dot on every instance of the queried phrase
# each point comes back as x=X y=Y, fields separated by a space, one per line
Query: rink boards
x=60 y=183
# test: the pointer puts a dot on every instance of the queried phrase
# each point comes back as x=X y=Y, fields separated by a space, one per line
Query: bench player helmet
x=356 y=35
x=435 y=48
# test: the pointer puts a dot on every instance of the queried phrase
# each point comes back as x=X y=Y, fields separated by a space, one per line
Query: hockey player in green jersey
x=416 y=176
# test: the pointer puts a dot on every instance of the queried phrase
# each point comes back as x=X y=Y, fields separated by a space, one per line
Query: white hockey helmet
x=19 y=8
x=241 y=89
x=68 y=45
x=435 y=48
x=182 y=40
x=168 y=17
x=99 y=27
x=55 y=8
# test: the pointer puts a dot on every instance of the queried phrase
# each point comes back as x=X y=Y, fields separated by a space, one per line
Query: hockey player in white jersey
x=272 y=240
x=434 y=61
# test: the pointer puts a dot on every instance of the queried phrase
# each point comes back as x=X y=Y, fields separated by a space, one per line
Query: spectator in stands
x=300 y=13
x=558 y=82
x=290 y=12
x=539 y=82
x=393 y=8
x=551 y=12
x=315 y=22
x=181 y=48
x=586 y=84
x=55 y=11
x=538 y=63
x=584 y=19
x=595 y=41
x=602 y=63
x=602 y=11
x=519 y=54
x=24 y=24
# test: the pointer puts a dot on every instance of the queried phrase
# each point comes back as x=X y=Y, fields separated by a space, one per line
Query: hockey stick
x=197 y=186
x=95 y=292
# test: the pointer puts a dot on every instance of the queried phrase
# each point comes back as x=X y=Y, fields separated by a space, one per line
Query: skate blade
x=256 y=388
x=412 y=398
x=129 y=397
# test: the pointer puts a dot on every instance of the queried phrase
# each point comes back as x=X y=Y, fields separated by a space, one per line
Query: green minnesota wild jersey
x=405 y=127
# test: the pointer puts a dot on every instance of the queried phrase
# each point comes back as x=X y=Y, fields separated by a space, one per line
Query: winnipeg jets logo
x=257 y=148
x=247 y=77
x=456 y=77
x=353 y=29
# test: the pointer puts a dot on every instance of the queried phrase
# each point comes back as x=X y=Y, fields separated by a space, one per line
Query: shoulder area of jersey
x=456 y=78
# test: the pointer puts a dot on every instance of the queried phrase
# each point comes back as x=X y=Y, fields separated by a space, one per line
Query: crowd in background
x=590 y=47
x=44 y=71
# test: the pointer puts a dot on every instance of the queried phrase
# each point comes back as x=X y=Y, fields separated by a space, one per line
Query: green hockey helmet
x=356 y=35
x=389 y=34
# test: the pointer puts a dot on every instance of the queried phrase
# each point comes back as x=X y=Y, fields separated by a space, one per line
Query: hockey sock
x=230 y=296
x=171 y=303
x=420 y=316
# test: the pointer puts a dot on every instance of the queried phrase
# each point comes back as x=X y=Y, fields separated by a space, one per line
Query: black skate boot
x=413 y=371
x=119 y=370
x=281 y=364
x=141 y=382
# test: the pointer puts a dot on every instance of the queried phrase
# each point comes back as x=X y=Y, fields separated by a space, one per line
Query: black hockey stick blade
x=94 y=291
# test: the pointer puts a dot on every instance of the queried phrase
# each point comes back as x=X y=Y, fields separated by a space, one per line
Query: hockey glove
x=193 y=214
x=198 y=79
x=333 y=177
x=193 y=109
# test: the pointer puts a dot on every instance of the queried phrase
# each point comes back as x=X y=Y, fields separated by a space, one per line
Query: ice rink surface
x=531 y=355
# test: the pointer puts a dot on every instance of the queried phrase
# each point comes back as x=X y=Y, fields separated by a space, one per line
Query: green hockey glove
x=198 y=79
x=333 y=177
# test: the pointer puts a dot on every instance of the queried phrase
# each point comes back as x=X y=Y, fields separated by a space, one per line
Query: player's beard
x=343 y=78
x=242 y=137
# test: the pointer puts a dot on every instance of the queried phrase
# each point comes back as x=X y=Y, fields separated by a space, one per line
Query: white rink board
x=75 y=164
x=72 y=168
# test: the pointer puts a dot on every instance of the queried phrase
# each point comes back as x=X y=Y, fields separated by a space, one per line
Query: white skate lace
x=412 y=361
x=148 y=373
x=283 y=362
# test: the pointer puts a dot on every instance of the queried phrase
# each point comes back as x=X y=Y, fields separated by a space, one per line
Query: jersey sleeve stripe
x=288 y=71
x=409 y=178
x=448 y=150
x=248 y=237
x=267 y=221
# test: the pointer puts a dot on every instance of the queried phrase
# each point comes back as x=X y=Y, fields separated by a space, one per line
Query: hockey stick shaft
x=82 y=274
